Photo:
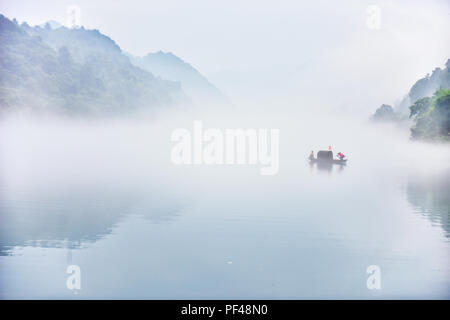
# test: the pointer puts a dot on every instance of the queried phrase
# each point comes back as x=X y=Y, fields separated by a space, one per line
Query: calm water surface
x=137 y=232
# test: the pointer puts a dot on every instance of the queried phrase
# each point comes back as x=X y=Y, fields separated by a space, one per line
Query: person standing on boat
x=341 y=156
x=311 y=155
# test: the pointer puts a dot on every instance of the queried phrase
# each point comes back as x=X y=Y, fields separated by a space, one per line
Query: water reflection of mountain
x=71 y=220
x=430 y=195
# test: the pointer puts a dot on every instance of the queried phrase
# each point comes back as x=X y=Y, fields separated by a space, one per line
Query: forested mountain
x=169 y=66
x=427 y=86
x=424 y=87
x=432 y=117
x=427 y=104
x=74 y=71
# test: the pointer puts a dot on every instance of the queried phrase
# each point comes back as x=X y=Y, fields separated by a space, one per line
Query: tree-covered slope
x=429 y=110
x=74 y=71
x=426 y=87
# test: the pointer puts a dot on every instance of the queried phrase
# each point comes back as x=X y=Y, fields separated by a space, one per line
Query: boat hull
x=330 y=161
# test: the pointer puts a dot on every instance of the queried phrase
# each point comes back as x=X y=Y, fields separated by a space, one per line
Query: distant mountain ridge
x=170 y=67
x=75 y=71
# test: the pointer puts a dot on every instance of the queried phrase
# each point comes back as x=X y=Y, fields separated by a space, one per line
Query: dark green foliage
x=432 y=117
x=420 y=107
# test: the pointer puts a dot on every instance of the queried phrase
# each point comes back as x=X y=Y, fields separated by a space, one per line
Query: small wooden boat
x=326 y=157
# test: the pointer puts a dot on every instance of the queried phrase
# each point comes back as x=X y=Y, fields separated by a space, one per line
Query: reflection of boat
x=335 y=161
x=326 y=157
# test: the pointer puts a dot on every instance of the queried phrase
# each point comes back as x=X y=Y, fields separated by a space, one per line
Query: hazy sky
x=248 y=46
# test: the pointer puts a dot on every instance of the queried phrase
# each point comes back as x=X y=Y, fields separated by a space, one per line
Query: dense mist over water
x=136 y=148
x=107 y=189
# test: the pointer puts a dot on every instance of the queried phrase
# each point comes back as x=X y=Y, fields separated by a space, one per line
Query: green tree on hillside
x=432 y=117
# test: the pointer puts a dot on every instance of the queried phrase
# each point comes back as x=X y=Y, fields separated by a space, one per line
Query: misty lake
x=106 y=198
